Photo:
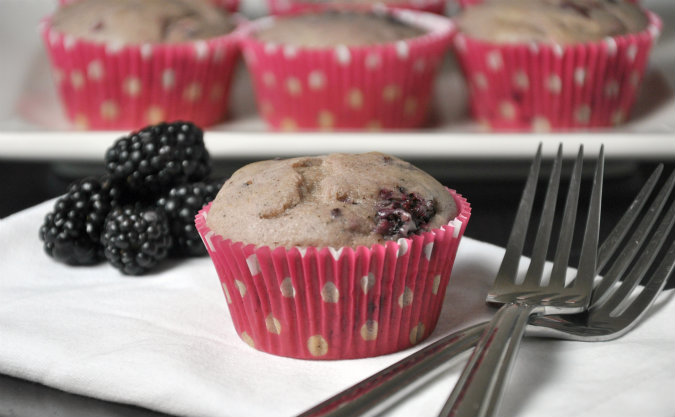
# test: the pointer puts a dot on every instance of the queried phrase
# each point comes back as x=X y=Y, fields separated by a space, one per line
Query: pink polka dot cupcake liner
x=384 y=86
x=544 y=87
x=326 y=303
x=112 y=86
x=229 y=5
x=294 y=6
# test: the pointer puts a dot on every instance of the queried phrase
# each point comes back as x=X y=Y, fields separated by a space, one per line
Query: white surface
x=28 y=103
x=166 y=342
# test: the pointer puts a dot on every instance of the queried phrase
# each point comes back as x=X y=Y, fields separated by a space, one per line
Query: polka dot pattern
x=287 y=289
x=369 y=330
x=316 y=80
x=330 y=293
x=227 y=294
x=544 y=87
x=317 y=345
x=154 y=115
x=355 y=99
x=293 y=86
x=326 y=120
x=247 y=339
x=357 y=303
x=350 y=83
x=95 y=70
x=241 y=287
x=273 y=325
x=77 y=79
x=436 y=284
x=132 y=86
x=367 y=282
x=417 y=334
x=110 y=110
x=406 y=298
x=126 y=87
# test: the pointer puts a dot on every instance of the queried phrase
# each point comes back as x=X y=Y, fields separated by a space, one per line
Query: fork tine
x=631 y=248
x=622 y=227
x=653 y=287
x=541 y=242
x=514 y=247
x=589 y=246
x=642 y=264
x=564 y=245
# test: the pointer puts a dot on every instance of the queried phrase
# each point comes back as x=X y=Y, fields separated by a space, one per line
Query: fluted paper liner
x=294 y=6
x=383 y=86
x=108 y=86
x=326 y=303
x=544 y=87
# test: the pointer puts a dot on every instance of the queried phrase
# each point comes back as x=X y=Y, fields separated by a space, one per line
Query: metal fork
x=395 y=382
x=482 y=381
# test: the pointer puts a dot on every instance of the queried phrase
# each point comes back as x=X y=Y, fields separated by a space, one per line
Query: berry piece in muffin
x=157 y=158
x=181 y=205
x=136 y=238
x=400 y=214
x=71 y=231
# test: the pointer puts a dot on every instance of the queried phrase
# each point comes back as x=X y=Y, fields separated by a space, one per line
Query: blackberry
x=156 y=158
x=136 y=238
x=181 y=205
x=72 y=230
x=400 y=214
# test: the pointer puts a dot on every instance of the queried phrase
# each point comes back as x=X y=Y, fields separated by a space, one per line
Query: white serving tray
x=32 y=125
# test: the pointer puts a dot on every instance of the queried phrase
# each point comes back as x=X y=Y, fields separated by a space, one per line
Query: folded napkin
x=165 y=342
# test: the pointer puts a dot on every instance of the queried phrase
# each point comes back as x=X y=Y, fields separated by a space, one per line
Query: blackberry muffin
x=554 y=64
x=345 y=70
x=556 y=21
x=333 y=257
x=334 y=28
x=142 y=21
x=335 y=200
x=124 y=64
x=290 y=6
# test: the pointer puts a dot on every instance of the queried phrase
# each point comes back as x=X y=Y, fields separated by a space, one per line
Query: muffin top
x=142 y=21
x=335 y=200
x=557 y=21
x=350 y=2
x=337 y=28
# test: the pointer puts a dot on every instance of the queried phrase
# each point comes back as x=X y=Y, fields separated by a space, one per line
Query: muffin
x=293 y=6
x=333 y=257
x=228 y=5
x=123 y=64
x=554 y=64
x=345 y=69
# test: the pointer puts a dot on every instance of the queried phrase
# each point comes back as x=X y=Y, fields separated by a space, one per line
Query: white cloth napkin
x=165 y=341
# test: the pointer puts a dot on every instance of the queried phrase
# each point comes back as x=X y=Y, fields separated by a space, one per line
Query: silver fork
x=394 y=382
x=482 y=381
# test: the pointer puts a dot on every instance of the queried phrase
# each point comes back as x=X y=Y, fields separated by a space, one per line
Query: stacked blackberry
x=142 y=210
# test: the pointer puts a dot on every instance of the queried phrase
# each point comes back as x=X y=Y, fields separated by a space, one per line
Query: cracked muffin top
x=335 y=200
x=331 y=28
x=558 y=21
x=142 y=21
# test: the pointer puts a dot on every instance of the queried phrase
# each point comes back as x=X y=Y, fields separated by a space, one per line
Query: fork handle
x=480 y=386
